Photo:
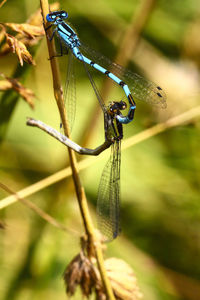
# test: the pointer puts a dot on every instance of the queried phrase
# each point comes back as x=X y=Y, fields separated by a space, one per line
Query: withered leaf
x=29 y=33
x=122 y=279
x=5 y=85
x=28 y=30
x=80 y=272
x=20 y=49
x=10 y=83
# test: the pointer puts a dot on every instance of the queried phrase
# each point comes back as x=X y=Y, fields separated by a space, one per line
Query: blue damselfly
x=142 y=89
x=108 y=202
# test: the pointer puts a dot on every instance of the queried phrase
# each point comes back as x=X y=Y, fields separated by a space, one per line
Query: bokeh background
x=160 y=177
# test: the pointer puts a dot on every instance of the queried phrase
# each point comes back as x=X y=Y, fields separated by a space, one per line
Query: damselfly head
x=116 y=106
x=57 y=15
x=122 y=105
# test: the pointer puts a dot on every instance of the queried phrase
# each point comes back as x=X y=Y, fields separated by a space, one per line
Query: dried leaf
x=20 y=49
x=28 y=35
x=31 y=31
x=11 y=83
x=22 y=39
x=5 y=47
x=5 y=85
x=80 y=272
x=123 y=280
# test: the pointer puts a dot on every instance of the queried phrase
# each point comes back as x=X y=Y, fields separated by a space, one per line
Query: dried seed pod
x=80 y=272
x=20 y=49
x=31 y=31
x=12 y=83
x=123 y=279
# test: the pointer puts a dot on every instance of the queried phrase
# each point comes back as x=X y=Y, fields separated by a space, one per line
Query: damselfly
x=141 y=88
x=108 y=202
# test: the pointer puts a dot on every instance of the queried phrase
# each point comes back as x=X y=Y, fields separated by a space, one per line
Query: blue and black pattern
x=71 y=41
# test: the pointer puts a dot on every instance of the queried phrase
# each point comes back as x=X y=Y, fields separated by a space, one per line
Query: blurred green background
x=160 y=177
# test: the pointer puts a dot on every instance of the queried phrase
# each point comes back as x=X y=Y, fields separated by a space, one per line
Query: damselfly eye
x=124 y=106
x=50 y=17
x=64 y=15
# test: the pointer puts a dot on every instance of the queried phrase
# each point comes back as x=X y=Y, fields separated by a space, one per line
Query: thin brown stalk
x=2 y=3
x=58 y=93
x=39 y=211
x=127 y=48
x=88 y=225
x=134 y=31
x=38 y=186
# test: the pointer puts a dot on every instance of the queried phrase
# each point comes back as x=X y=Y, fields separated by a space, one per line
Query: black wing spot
x=159 y=88
x=107 y=73
x=92 y=63
x=159 y=95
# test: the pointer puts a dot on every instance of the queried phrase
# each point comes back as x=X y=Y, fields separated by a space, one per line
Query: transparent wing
x=70 y=91
x=108 y=202
x=141 y=88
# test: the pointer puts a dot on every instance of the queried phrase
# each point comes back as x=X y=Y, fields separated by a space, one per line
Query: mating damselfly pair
x=135 y=88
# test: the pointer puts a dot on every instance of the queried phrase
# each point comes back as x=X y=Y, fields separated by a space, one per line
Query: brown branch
x=58 y=93
x=2 y=3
